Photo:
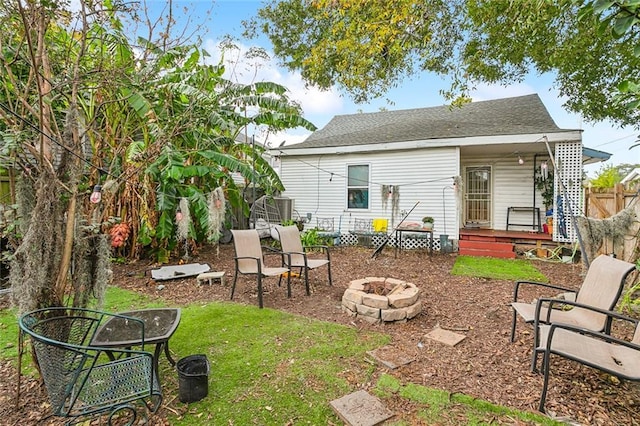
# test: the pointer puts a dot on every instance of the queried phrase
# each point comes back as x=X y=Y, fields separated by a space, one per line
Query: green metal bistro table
x=159 y=326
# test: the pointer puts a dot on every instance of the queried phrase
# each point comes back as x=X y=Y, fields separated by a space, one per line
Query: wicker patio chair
x=601 y=289
x=249 y=260
x=291 y=244
x=613 y=355
x=84 y=381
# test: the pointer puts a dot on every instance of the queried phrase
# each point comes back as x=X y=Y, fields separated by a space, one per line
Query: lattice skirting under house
x=409 y=242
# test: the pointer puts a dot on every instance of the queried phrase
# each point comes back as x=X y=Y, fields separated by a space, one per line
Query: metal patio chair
x=613 y=355
x=601 y=289
x=363 y=230
x=326 y=229
x=249 y=260
x=291 y=243
x=85 y=381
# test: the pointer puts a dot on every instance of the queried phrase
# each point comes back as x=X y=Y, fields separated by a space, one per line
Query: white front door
x=477 y=196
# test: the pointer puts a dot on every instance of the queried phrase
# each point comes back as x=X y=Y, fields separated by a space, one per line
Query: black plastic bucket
x=193 y=378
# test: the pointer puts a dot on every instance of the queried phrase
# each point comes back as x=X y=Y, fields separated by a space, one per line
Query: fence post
x=619 y=197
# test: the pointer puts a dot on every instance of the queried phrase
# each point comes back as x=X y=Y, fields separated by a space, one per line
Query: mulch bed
x=484 y=365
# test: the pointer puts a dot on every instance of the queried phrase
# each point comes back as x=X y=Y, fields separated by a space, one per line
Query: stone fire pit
x=376 y=299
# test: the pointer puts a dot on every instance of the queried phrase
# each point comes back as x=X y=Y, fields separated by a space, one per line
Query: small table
x=399 y=232
x=159 y=326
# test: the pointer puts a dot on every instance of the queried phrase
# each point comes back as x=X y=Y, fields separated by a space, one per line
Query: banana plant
x=194 y=119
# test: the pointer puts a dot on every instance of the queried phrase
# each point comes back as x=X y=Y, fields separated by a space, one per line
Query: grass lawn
x=500 y=269
x=273 y=368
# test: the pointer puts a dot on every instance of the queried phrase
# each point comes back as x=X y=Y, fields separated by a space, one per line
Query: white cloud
x=484 y=92
x=246 y=71
x=286 y=138
x=319 y=106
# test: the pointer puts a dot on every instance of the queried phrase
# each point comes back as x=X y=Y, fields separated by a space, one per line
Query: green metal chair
x=82 y=380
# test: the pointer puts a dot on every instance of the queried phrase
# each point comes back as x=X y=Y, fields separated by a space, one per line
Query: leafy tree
x=365 y=46
x=43 y=134
x=190 y=147
x=609 y=176
x=626 y=168
x=368 y=46
x=150 y=122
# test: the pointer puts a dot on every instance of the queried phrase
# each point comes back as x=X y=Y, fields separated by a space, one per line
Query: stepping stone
x=209 y=276
x=360 y=409
x=445 y=336
x=172 y=272
x=390 y=357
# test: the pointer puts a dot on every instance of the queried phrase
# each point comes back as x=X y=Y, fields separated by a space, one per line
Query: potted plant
x=427 y=222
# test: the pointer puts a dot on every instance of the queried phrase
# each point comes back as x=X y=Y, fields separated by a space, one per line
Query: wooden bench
x=535 y=212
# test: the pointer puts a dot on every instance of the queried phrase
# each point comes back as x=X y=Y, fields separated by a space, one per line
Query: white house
x=632 y=177
x=466 y=167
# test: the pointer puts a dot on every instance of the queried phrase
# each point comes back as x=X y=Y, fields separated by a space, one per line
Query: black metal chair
x=82 y=380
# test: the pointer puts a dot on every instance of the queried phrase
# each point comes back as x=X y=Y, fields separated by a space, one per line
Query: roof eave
x=592 y=156
x=555 y=137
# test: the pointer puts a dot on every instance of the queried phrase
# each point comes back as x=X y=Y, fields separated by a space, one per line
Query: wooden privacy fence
x=605 y=203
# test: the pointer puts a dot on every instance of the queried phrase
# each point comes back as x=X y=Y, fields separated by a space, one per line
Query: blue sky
x=415 y=92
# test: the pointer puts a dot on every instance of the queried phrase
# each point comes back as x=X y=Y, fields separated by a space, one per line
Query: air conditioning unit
x=285 y=207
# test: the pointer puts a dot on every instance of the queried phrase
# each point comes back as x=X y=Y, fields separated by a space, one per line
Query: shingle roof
x=508 y=116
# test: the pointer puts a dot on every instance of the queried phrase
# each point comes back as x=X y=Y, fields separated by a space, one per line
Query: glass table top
x=159 y=325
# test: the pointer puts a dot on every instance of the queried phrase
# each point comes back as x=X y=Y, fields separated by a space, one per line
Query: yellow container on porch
x=380 y=225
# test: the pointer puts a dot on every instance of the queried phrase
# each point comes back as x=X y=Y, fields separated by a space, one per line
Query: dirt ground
x=484 y=365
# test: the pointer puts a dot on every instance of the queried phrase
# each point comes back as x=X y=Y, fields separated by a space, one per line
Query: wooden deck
x=503 y=236
x=498 y=243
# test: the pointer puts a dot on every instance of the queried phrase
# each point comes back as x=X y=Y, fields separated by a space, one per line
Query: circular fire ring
x=376 y=299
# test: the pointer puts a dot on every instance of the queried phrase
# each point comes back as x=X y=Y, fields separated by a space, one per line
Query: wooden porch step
x=502 y=236
x=491 y=238
x=487 y=248
x=486 y=245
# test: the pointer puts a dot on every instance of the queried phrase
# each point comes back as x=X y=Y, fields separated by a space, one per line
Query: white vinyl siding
x=424 y=176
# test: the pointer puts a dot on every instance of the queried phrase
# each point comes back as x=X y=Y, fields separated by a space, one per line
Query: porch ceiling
x=502 y=149
x=589 y=156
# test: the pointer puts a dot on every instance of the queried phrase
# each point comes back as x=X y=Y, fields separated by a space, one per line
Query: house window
x=358 y=187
